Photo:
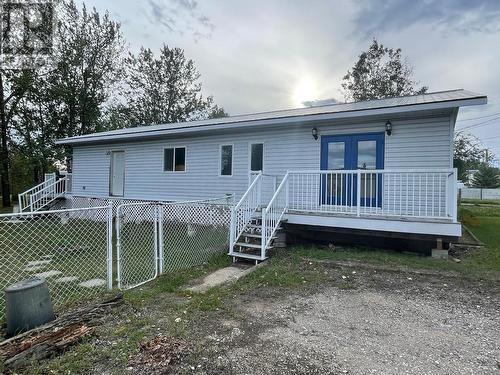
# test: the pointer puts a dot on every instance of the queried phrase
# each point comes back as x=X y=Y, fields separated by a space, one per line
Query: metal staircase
x=249 y=244
x=42 y=195
x=254 y=221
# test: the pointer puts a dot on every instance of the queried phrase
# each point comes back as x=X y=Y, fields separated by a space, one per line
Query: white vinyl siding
x=420 y=142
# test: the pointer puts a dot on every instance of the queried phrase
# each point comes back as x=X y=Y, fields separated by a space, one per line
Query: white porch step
x=255 y=226
x=250 y=245
x=247 y=256
x=253 y=235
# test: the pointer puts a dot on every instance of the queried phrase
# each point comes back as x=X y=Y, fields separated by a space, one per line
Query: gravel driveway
x=380 y=323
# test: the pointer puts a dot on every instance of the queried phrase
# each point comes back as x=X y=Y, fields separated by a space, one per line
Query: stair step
x=247 y=256
x=253 y=235
x=250 y=245
x=254 y=226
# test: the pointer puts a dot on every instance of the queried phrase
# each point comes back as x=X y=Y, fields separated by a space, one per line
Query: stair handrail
x=273 y=214
x=244 y=210
x=35 y=198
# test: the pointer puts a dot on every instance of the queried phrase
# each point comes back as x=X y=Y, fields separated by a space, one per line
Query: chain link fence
x=70 y=248
x=137 y=244
x=155 y=238
x=194 y=232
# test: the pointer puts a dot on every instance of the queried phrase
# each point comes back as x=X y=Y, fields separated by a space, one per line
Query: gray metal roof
x=435 y=100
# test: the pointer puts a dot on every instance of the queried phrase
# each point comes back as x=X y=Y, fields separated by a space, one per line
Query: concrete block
x=440 y=253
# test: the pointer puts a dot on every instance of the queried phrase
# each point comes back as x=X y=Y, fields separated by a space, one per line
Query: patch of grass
x=171 y=282
x=484 y=201
x=484 y=223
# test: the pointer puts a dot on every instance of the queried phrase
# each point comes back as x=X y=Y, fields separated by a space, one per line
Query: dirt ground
x=355 y=319
x=374 y=323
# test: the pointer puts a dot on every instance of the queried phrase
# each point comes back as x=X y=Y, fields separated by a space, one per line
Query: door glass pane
x=256 y=157
x=368 y=186
x=367 y=154
x=336 y=153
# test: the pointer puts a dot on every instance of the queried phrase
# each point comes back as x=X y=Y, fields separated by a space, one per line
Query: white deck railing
x=417 y=193
x=38 y=197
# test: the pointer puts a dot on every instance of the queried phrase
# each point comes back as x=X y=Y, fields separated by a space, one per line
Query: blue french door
x=352 y=152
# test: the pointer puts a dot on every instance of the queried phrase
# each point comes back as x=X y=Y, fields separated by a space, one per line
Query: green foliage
x=217 y=112
x=380 y=72
x=82 y=91
x=163 y=89
x=487 y=177
x=467 y=154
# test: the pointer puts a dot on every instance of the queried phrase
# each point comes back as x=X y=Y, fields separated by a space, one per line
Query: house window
x=174 y=159
x=256 y=157
x=226 y=160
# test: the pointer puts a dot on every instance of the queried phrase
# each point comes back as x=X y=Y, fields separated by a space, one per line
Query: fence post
x=155 y=217
x=358 y=194
x=109 y=257
x=118 y=245
x=160 y=238
x=232 y=229
x=264 y=233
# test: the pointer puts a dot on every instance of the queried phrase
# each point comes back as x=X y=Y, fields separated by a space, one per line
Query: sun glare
x=305 y=90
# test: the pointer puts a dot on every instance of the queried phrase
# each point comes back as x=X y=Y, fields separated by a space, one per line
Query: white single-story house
x=380 y=165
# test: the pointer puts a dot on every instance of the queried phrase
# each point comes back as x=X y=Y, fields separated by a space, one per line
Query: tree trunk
x=4 y=151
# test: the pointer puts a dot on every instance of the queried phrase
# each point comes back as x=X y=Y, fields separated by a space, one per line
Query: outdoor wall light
x=388 y=128
x=315 y=133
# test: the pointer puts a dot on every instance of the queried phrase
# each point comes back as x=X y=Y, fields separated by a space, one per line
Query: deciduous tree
x=164 y=89
x=380 y=72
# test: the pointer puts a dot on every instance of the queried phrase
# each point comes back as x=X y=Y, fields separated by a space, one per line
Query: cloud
x=180 y=16
x=463 y=16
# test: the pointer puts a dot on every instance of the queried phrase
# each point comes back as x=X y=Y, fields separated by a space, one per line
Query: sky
x=261 y=55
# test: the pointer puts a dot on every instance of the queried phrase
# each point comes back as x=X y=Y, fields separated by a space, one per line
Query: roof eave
x=103 y=138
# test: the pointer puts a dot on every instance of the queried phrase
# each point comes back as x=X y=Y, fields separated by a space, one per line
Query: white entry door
x=117 y=173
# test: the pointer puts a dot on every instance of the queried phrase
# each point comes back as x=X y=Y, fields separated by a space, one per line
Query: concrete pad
x=66 y=279
x=222 y=276
x=92 y=283
x=48 y=273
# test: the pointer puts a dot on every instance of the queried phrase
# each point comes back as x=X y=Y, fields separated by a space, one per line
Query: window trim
x=185 y=159
x=250 y=155
x=220 y=160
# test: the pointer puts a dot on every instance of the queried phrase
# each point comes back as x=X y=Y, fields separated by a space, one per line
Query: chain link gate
x=70 y=248
x=153 y=238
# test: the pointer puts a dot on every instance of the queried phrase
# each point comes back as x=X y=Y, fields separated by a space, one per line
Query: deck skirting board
x=386 y=225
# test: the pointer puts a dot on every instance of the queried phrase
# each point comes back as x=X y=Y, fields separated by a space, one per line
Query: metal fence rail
x=71 y=249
